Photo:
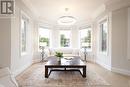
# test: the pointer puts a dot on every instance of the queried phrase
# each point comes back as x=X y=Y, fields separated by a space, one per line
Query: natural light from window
x=23 y=34
x=104 y=34
x=65 y=36
x=44 y=37
x=85 y=38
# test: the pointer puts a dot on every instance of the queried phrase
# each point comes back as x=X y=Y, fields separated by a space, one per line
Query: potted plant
x=59 y=55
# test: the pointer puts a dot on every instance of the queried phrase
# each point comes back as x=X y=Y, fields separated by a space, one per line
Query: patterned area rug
x=34 y=77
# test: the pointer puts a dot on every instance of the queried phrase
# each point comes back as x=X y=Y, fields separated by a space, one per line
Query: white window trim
x=41 y=26
x=23 y=15
x=104 y=19
x=70 y=37
x=90 y=50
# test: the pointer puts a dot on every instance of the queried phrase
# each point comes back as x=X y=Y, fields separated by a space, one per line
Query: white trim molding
x=101 y=21
x=26 y=18
x=113 y=69
x=20 y=70
x=120 y=71
x=103 y=65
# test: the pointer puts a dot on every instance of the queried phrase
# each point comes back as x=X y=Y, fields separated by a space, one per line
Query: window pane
x=85 y=38
x=44 y=37
x=65 y=38
x=104 y=37
x=23 y=34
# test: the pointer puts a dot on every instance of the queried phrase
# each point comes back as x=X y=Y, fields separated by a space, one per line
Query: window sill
x=23 y=53
x=87 y=50
x=103 y=53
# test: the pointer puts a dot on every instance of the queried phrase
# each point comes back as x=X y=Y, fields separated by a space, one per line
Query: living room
x=96 y=31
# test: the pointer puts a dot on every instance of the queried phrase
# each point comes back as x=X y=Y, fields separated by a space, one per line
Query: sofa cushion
x=47 y=53
x=66 y=51
x=52 y=51
x=68 y=55
x=75 y=52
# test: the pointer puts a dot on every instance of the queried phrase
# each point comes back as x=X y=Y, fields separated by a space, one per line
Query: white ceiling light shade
x=66 y=20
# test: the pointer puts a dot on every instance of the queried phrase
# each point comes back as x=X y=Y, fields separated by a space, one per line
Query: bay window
x=86 y=38
x=65 y=38
x=44 y=37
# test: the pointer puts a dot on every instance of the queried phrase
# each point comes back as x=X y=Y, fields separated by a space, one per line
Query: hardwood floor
x=115 y=79
x=35 y=75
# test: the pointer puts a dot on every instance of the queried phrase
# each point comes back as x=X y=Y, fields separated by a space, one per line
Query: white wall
x=101 y=58
x=20 y=62
x=116 y=58
x=120 y=62
x=55 y=37
x=36 y=54
x=5 y=42
x=75 y=37
x=10 y=55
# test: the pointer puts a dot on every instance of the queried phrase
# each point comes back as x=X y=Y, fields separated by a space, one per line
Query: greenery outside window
x=65 y=38
x=86 y=38
x=44 y=36
x=103 y=37
x=24 y=23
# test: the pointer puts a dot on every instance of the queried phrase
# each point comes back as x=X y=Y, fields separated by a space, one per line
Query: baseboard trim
x=103 y=65
x=121 y=71
x=18 y=71
x=113 y=69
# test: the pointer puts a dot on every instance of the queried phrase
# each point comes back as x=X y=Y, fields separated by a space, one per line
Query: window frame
x=104 y=20
x=26 y=19
x=86 y=28
x=49 y=37
x=70 y=38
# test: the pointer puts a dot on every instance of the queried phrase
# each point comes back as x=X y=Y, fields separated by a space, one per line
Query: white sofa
x=6 y=78
x=66 y=52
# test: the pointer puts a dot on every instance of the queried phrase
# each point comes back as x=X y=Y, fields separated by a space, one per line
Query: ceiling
x=51 y=10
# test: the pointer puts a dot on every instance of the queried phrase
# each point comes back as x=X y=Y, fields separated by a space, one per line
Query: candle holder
x=85 y=46
x=43 y=45
x=85 y=53
x=42 y=53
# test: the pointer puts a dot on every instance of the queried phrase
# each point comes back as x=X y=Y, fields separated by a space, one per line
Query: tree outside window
x=44 y=36
x=85 y=38
x=104 y=33
x=23 y=34
x=65 y=38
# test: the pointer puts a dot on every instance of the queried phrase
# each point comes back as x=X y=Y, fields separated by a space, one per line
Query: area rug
x=34 y=77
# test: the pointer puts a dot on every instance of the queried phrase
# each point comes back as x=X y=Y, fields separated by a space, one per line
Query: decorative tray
x=68 y=58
